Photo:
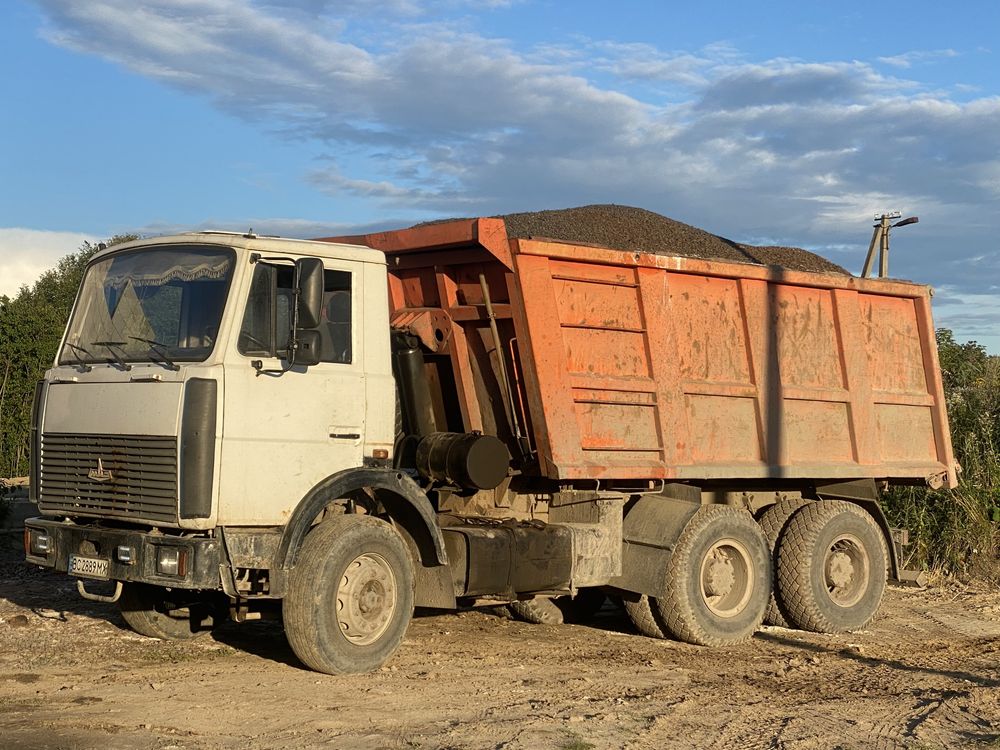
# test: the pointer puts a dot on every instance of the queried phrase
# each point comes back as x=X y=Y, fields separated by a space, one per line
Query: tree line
x=31 y=326
x=956 y=531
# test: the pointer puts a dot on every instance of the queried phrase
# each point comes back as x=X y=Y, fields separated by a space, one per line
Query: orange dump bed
x=629 y=365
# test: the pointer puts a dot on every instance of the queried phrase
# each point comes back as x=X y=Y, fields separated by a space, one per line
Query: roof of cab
x=258 y=243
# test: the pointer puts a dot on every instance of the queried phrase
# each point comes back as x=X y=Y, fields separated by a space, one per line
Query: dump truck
x=340 y=430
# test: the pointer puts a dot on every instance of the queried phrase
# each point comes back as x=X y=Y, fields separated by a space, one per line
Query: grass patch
x=576 y=742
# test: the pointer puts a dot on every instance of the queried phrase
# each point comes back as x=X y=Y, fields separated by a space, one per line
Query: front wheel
x=350 y=596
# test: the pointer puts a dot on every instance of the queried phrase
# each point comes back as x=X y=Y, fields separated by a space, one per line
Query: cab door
x=287 y=429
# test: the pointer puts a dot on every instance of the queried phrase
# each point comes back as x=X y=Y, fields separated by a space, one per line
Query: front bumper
x=203 y=555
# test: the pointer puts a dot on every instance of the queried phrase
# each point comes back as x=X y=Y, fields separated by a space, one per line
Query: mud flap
x=651 y=527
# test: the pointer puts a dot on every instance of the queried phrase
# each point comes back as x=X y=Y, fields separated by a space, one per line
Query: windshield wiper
x=160 y=349
x=116 y=357
x=76 y=348
x=84 y=367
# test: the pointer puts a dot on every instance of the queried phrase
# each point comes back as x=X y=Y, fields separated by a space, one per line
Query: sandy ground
x=925 y=676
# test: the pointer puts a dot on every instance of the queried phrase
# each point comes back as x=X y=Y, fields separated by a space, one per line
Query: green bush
x=958 y=531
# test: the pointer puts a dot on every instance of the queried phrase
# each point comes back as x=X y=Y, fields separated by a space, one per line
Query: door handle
x=345 y=435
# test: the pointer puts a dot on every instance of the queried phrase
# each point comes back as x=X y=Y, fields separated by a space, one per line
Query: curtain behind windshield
x=150 y=304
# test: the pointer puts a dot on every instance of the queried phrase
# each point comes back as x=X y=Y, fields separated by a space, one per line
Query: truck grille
x=139 y=476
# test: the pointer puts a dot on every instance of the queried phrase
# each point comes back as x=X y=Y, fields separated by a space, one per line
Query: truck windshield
x=151 y=305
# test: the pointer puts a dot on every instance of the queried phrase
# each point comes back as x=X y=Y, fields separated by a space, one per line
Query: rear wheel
x=643 y=615
x=718 y=579
x=172 y=615
x=350 y=596
x=831 y=567
x=773 y=523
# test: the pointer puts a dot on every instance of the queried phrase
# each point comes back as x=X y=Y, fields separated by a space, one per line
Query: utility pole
x=880 y=237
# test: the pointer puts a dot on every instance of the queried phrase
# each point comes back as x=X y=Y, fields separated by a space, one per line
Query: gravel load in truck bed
x=629 y=228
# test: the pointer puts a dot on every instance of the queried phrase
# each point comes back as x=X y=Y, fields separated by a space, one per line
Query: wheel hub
x=727 y=575
x=846 y=570
x=371 y=597
x=840 y=570
x=366 y=599
x=721 y=576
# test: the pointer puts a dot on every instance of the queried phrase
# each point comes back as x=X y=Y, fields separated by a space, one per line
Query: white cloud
x=908 y=59
x=644 y=62
x=27 y=253
x=797 y=150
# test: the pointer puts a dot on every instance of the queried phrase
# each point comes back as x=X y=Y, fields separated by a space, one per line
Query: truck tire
x=718 y=579
x=539 y=611
x=350 y=596
x=831 y=567
x=150 y=611
x=644 y=616
x=560 y=609
x=773 y=523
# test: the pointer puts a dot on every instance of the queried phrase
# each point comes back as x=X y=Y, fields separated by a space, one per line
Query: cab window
x=336 y=329
x=267 y=320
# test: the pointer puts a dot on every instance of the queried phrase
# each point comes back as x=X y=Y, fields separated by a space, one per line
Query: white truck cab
x=185 y=336
x=213 y=393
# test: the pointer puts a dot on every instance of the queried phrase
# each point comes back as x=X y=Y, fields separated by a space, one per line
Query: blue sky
x=778 y=123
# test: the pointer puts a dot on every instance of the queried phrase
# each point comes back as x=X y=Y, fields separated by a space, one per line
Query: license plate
x=89 y=567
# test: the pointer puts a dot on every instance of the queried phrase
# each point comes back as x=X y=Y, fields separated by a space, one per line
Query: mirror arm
x=258 y=364
x=293 y=338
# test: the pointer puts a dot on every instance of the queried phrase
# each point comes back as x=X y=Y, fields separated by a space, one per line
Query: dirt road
x=927 y=675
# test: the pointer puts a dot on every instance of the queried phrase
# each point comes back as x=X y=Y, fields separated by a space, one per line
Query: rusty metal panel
x=599 y=306
x=622 y=353
x=892 y=340
x=905 y=433
x=711 y=340
x=808 y=345
x=723 y=430
x=617 y=426
x=598 y=312
x=817 y=432
x=690 y=369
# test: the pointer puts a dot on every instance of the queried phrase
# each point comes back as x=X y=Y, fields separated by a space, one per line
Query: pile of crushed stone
x=630 y=228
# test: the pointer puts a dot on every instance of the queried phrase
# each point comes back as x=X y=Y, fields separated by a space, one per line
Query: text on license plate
x=91 y=567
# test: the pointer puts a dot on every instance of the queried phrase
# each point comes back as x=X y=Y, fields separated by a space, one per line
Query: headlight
x=37 y=543
x=171 y=561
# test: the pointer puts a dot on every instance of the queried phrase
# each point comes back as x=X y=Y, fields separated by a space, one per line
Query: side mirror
x=310 y=273
x=308 y=346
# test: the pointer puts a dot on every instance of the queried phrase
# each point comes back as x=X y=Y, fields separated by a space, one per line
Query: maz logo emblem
x=100 y=474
